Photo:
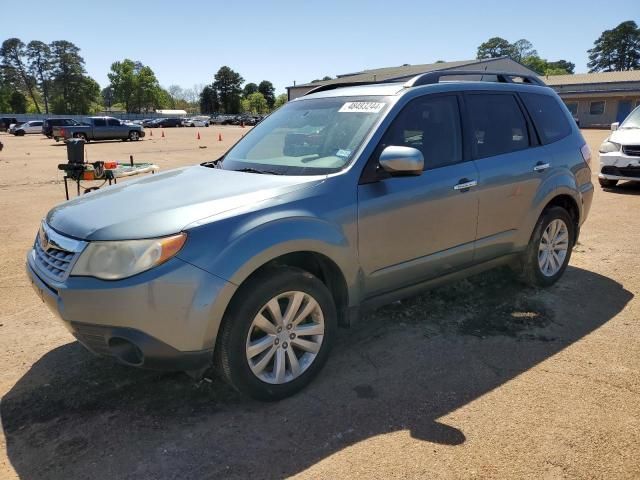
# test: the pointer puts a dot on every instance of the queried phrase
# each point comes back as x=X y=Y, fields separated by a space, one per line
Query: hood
x=630 y=136
x=165 y=203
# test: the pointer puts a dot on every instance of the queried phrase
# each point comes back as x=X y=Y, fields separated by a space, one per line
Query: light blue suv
x=344 y=199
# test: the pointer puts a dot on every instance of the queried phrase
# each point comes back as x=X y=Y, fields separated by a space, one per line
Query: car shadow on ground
x=625 y=188
x=402 y=367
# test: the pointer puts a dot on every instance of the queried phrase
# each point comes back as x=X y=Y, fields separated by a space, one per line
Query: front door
x=414 y=228
x=624 y=109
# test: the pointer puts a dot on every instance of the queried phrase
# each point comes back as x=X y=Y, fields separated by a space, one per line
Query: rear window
x=548 y=117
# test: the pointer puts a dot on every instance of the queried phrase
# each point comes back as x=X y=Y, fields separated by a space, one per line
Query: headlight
x=121 y=259
x=609 y=147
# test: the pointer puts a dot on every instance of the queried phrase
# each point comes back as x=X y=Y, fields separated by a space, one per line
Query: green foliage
x=228 y=86
x=268 y=92
x=249 y=88
x=617 y=49
x=135 y=86
x=13 y=53
x=209 y=102
x=281 y=100
x=255 y=103
x=495 y=47
x=18 y=102
x=522 y=49
x=568 y=67
x=544 y=67
x=72 y=91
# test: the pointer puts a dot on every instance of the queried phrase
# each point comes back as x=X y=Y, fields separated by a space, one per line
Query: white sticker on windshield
x=343 y=153
x=362 y=107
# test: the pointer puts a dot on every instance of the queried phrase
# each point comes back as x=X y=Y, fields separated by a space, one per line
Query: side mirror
x=614 y=126
x=402 y=160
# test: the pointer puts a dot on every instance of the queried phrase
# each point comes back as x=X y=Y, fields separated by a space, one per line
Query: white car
x=195 y=122
x=620 y=153
x=32 y=126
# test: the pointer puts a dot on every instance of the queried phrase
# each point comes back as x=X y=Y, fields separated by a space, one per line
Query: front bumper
x=166 y=318
x=619 y=166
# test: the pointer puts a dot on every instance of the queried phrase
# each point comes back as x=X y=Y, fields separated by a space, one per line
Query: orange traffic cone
x=198 y=136
x=162 y=129
x=219 y=137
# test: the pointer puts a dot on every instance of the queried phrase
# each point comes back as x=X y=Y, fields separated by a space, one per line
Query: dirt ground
x=479 y=379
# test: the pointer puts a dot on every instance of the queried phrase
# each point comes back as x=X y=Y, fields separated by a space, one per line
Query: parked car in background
x=150 y=122
x=196 y=122
x=13 y=126
x=49 y=123
x=339 y=201
x=167 y=123
x=620 y=152
x=222 y=119
x=32 y=126
x=100 y=128
x=6 y=122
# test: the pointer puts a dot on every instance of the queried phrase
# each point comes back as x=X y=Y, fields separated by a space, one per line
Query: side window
x=432 y=125
x=113 y=122
x=551 y=122
x=596 y=108
x=99 y=122
x=497 y=124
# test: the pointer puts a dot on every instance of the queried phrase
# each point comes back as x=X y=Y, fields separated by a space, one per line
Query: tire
x=19 y=133
x=82 y=136
x=134 y=136
x=233 y=353
x=605 y=183
x=533 y=272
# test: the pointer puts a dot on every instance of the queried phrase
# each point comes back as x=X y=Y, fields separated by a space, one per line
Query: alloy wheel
x=553 y=248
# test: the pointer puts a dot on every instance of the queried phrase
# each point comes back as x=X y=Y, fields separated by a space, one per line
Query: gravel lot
x=479 y=379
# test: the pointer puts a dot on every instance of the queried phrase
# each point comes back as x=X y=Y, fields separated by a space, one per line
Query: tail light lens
x=586 y=154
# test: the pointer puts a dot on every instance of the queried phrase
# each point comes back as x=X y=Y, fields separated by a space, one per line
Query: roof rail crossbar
x=502 y=77
x=333 y=86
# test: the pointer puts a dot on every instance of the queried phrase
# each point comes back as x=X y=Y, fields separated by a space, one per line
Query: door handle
x=465 y=184
x=541 y=167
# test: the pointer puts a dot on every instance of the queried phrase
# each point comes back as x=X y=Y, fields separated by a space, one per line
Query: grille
x=631 y=150
x=53 y=261
x=630 y=172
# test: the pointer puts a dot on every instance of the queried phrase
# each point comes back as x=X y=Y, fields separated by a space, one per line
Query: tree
x=136 y=86
x=268 y=92
x=568 y=67
x=40 y=67
x=256 y=103
x=326 y=77
x=13 y=52
x=209 y=102
x=617 y=49
x=72 y=91
x=18 y=102
x=495 y=47
x=522 y=49
x=248 y=89
x=281 y=100
x=227 y=84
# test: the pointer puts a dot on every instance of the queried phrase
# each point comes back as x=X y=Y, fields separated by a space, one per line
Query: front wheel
x=549 y=249
x=606 y=183
x=277 y=333
x=134 y=136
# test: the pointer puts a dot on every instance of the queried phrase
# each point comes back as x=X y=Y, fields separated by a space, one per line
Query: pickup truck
x=100 y=128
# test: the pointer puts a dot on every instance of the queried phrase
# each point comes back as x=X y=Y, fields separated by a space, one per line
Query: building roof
x=382 y=74
x=586 y=78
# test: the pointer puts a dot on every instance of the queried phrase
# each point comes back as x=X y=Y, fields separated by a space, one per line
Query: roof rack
x=429 y=78
x=501 y=77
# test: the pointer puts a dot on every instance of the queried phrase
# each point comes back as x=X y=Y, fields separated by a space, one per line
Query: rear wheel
x=549 y=250
x=277 y=333
x=606 y=183
x=83 y=136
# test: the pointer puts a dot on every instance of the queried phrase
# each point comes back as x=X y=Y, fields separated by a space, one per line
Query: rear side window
x=99 y=122
x=497 y=124
x=432 y=125
x=112 y=122
x=551 y=122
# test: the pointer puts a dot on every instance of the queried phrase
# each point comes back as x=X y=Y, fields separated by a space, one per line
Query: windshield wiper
x=213 y=163
x=255 y=170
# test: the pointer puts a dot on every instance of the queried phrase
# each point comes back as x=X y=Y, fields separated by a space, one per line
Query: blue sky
x=186 y=42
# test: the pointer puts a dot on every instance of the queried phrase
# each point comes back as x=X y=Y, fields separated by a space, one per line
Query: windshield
x=307 y=137
x=633 y=120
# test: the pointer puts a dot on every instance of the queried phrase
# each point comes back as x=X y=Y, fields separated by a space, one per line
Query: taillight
x=62 y=132
x=586 y=154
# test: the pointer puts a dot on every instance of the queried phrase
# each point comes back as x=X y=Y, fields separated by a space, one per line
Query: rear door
x=100 y=130
x=510 y=163
x=115 y=129
x=413 y=228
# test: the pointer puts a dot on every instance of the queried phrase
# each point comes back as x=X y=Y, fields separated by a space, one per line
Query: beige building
x=594 y=99
x=598 y=99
